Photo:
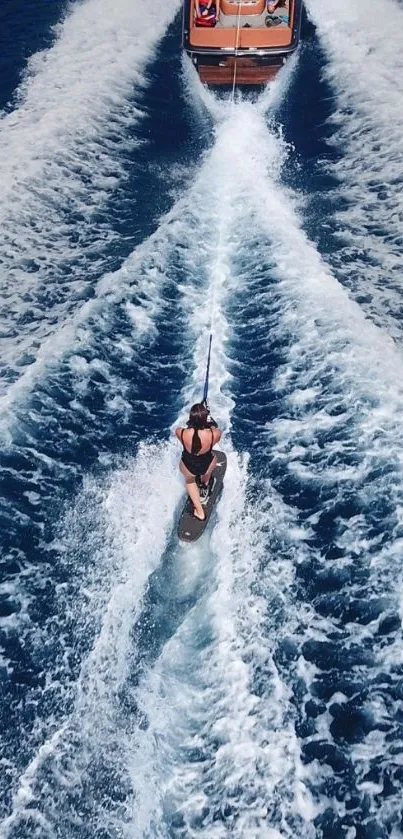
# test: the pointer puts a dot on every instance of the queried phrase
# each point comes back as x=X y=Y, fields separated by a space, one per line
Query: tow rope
x=236 y=51
x=206 y=380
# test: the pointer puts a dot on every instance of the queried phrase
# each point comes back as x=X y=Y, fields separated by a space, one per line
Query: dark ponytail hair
x=198 y=419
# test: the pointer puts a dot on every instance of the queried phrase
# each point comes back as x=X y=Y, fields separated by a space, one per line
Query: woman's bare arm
x=217 y=433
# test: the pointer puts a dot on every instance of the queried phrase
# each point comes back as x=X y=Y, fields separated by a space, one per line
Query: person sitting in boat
x=207 y=12
x=198 y=461
x=278 y=6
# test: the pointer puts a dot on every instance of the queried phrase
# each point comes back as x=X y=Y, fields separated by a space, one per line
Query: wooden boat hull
x=250 y=55
x=245 y=71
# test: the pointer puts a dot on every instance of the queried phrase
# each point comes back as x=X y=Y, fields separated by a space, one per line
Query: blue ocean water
x=249 y=685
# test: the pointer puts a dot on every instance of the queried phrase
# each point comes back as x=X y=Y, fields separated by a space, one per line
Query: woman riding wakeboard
x=198 y=461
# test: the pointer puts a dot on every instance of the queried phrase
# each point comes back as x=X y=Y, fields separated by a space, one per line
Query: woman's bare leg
x=207 y=475
x=192 y=491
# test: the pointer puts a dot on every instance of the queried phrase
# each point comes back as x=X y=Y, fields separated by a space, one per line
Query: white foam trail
x=131 y=510
x=365 y=68
x=62 y=152
x=359 y=39
x=274 y=93
x=134 y=509
x=199 y=97
x=208 y=727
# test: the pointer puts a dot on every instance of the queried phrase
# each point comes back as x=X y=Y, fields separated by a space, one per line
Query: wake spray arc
x=206 y=381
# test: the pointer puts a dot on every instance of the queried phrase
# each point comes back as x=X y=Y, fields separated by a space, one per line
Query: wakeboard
x=190 y=528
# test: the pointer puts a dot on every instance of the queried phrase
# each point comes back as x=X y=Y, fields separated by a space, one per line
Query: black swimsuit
x=197 y=464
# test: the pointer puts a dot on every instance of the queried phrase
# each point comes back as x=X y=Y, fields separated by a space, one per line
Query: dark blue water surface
x=252 y=683
x=26 y=28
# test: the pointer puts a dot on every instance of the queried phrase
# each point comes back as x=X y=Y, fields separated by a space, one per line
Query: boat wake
x=66 y=150
x=364 y=69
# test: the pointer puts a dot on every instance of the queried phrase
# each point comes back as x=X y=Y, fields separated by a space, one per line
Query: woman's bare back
x=206 y=436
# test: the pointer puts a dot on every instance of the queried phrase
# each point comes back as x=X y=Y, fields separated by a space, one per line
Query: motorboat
x=240 y=42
